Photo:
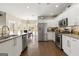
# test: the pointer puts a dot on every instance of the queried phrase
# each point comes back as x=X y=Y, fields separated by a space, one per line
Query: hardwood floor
x=36 y=48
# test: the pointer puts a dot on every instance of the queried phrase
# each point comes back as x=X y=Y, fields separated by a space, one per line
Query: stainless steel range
x=58 y=40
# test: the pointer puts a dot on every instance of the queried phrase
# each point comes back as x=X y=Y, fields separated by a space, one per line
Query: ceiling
x=32 y=10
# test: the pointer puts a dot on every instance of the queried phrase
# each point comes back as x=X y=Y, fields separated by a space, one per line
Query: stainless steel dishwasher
x=24 y=42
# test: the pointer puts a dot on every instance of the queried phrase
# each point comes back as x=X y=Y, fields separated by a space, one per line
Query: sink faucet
x=5 y=27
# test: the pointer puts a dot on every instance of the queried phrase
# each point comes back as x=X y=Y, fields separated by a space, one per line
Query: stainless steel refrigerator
x=42 y=31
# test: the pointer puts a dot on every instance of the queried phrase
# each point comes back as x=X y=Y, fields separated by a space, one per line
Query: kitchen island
x=11 y=46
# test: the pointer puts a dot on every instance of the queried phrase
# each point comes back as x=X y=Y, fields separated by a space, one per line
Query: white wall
x=50 y=22
x=72 y=14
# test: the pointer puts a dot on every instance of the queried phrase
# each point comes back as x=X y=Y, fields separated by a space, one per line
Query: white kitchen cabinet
x=14 y=52
x=63 y=42
x=19 y=45
x=74 y=47
x=16 y=46
x=6 y=48
x=70 y=45
x=51 y=36
x=11 y=47
x=66 y=44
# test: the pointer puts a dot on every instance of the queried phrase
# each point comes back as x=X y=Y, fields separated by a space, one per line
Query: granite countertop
x=72 y=35
x=10 y=38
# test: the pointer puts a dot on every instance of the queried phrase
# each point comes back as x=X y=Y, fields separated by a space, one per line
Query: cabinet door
x=53 y=36
x=50 y=36
x=66 y=44
x=15 y=53
x=68 y=51
x=16 y=47
x=6 y=48
x=19 y=45
x=74 y=47
x=11 y=48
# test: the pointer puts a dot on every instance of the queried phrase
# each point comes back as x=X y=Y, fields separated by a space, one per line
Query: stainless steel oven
x=58 y=40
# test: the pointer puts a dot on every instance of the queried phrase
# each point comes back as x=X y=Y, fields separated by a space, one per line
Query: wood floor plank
x=42 y=49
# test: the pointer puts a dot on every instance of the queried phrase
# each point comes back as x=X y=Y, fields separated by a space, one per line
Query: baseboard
x=42 y=41
x=47 y=41
x=64 y=53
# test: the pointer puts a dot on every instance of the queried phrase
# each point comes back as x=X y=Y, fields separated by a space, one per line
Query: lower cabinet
x=51 y=36
x=70 y=45
x=74 y=47
x=11 y=47
x=17 y=46
x=6 y=48
x=66 y=44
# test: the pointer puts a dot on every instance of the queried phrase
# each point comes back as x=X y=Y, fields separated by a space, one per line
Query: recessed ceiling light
x=27 y=7
x=57 y=6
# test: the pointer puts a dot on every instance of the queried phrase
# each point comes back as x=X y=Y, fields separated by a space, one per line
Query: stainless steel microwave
x=63 y=22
